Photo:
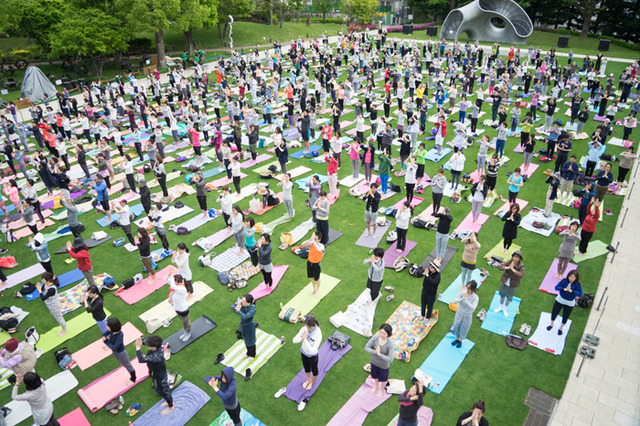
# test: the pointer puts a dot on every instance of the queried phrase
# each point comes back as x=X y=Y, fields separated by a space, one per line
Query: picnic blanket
x=409 y=329
x=359 y=315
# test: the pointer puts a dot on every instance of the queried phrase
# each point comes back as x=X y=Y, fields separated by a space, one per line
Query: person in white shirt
x=122 y=208
x=226 y=205
x=180 y=258
x=287 y=196
x=310 y=336
x=178 y=300
x=457 y=165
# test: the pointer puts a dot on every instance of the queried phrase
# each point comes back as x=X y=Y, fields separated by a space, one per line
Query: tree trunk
x=586 y=23
x=188 y=35
x=282 y=19
x=270 y=16
x=97 y=67
x=162 y=60
x=324 y=17
x=452 y=4
x=222 y=29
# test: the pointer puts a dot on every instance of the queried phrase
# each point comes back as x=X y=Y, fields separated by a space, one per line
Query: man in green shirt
x=384 y=169
x=420 y=155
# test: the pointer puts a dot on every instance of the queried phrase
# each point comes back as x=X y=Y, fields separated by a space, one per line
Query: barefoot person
x=246 y=308
x=569 y=289
x=429 y=290
x=49 y=295
x=375 y=274
x=113 y=338
x=37 y=398
x=143 y=242
x=380 y=346
x=310 y=336
x=179 y=301
x=372 y=198
x=467 y=302
x=316 y=253
x=570 y=238
x=157 y=369
x=513 y=272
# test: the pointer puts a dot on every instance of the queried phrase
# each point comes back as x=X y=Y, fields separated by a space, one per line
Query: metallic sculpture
x=478 y=18
x=230 y=32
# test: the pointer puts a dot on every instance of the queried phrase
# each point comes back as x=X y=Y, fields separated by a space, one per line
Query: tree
x=235 y=8
x=281 y=7
x=151 y=15
x=587 y=9
x=430 y=8
x=196 y=14
x=362 y=11
x=324 y=7
x=33 y=18
x=89 y=33
x=620 y=11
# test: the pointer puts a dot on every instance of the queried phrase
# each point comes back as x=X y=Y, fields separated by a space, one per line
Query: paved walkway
x=607 y=391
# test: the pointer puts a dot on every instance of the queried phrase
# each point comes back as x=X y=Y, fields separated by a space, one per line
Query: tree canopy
x=363 y=11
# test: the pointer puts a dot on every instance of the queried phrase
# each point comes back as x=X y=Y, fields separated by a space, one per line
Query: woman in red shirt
x=332 y=172
x=195 y=141
x=79 y=251
x=589 y=226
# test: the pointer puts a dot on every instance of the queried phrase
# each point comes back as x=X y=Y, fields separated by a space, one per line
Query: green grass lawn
x=492 y=371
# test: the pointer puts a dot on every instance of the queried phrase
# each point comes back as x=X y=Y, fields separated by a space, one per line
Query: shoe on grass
x=390 y=298
x=302 y=405
x=219 y=358
x=280 y=392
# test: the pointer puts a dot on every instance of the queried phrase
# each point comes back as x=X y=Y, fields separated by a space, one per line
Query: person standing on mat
x=142 y=241
x=113 y=338
x=512 y=274
x=310 y=336
x=237 y=220
x=375 y=274
x=429 y=291
x=39 y=245
x=264 y=258
x=226 y=205
x=178 y=300
x=511 y=221
x=442 y=235
x=122 y=208
x=469 y=256
x=321 y=208
x=37 y=398
x=589 y=226
x=570 y=238
x=569 y=289
x=246 y=308
x=103 y=195
x=437 y=189
x=224 y=386
x=467 y=301
x=201 y=194
x=410 y=402
x=604 y=178
x=403 y=216
x=157 y=369
x=249 y=230
x=372 y=198
x=287 y=197
x=161 y=231
x=145 y=194
x=515 y=181
x=380 y=346
x=314 y=186
x=18 y=357
x=94 y=304
x=479 y=194
x=474 y=417
x=49 y=295
x=316 y=253
x=180 y=258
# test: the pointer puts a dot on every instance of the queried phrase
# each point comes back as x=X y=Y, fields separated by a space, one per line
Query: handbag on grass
x=516 y=342
x=339 y=340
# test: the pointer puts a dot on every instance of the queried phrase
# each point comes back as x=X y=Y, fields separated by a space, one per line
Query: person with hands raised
x=410 y=402
x=380 y=346
x=225 y=387
x=474 y=417
x=310 y=336
x=569 y=289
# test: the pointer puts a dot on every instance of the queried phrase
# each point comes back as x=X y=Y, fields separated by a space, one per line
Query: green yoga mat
x=266 y=346
x=305 y=302
x=77 y=325
x=596 y=248
x=497 y=251
x=266 y=167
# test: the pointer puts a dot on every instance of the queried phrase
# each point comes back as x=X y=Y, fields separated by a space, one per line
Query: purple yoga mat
x=357 y=408
x=390 y=255
x=259 y=159
x=74 y=195
x=371 y=242
x=172 y=147
x=219 y=237
x=326 y=359
x=549 y=282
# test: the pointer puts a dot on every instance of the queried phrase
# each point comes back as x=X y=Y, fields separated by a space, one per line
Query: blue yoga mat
x=65 y=279
x=303 y=182
x=432 y=155
x=452 y=291
x=247 y=419
x=136 y=209
x=188 y=398
x=496 y=322
x=212 y=172
x=444 y=361
x=299 y=154
x=10 y=207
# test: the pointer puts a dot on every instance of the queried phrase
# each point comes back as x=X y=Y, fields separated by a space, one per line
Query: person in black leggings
x=511 y=221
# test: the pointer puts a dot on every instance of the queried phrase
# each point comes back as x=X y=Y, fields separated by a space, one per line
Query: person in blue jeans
x=501 y=139
x=384 y=168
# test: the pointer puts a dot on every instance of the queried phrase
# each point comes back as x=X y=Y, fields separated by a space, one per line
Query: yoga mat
x=372 y=241
x=350 y=181
x=596 y=248
x=145 y=287
x=279 y=221
x=199 y=328
x=448 y=255
x=496 y=322
x=414 y=202
x=195 y=222
x=223 y=181
x=188 y=399
x=20 y=223
x=300 y=231
x=219 y=237
x=262 y=290
x=444 y=361
x=497 y=251
x=299 y=154
x=333 y=235
x=213 y=172
x=259 y=159
x=305 y=302
x=453 y=290
x=505 y=206
x=56 y=386
x=327 y=358
x=74 y=418
x=164 y=311
x=90 y=242
x=247 y=419
x=101 y=391
x=65 y=279
x=425 y=417
x=550 y=281
x=303 y=182
x=359 y=315
x=228 y=259
x=136 y=209
x=25 y=232
x=170 y=214
x=49 y=204
x=390 y=255
x=433 y=155
x=263 y=210
x=532 y=168
x=357 y=408
x=407 y=326
x=536 y=215
x=549 y=341
x=468 y=224
x=75 y=326
x=266 y=346
x=92 y=354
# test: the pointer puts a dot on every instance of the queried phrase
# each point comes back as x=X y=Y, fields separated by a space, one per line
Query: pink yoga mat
x=263 y=210
x=357 y=408
x=98 y=393
x=519 y=148
x=532 y=168
x=468 y=225
x=25 y=232
x=17 y=224
x=116 y=188
x=24 y=275
x=146 y=286
x=74 y=418
x=259 y=159
x=95 y=352
x=224 y=181
x=414 y=202
x=549 y=282
x=262 y=290
x=390 y=255
x=505 y=206
x=475 y=176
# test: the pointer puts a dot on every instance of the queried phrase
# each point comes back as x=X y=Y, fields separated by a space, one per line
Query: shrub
x=398 y=28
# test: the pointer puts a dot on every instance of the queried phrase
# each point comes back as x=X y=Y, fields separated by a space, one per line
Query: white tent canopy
x=36 y=85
